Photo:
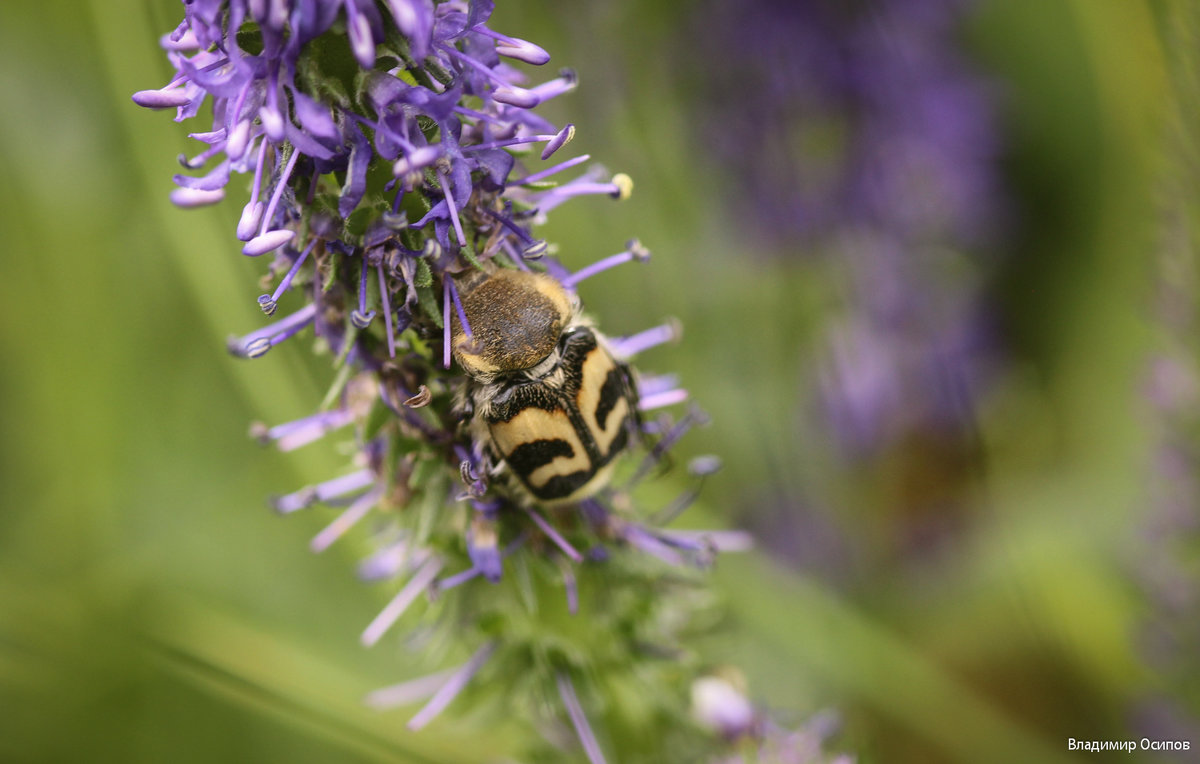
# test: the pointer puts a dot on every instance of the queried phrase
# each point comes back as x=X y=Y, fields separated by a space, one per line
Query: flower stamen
x=257 y=343
x=450 y=690
x=404 y=598
x=627 y=347
x=458 y=229
x=554 y=535
x=323 y=492
x=408 y=692
x=293 y=435
x=361 y=317
x=387 y=311
x=252 y=213
x=514 y=47
x=587 y=738
x=634 y=251
x=543 y=174
x=269 y=302
x=346 y=520
x=267 y=241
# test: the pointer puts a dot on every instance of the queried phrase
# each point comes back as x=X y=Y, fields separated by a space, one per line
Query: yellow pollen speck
x=624 y=185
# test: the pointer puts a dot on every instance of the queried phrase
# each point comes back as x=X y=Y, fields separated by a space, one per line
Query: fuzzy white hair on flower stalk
x=397 y=204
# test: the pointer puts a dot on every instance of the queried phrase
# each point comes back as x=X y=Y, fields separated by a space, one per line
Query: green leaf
x=249 y=38
x=327 y=69
x=468 y=253
x=424 y=277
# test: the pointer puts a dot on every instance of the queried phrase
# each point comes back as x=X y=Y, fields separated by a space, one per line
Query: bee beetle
x=545 y=395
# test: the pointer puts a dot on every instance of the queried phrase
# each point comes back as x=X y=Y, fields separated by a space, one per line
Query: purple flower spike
x=422 y=165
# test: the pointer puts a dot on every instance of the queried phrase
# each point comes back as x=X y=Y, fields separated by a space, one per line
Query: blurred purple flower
x=859 y=134
x=720 y=705
x=859 y=131
x=911 y=354
x=851 y=116
x=1163 y=554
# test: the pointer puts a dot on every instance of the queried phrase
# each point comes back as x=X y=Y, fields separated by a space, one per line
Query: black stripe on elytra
x=527 y=457
x=561 y=486
x=532 y=454
x=611 y=391
x=619 y=442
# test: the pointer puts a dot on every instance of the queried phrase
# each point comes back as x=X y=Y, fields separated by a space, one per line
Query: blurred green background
x=153 y=609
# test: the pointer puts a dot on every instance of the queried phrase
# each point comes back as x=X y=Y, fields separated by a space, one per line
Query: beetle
x=545 y=394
